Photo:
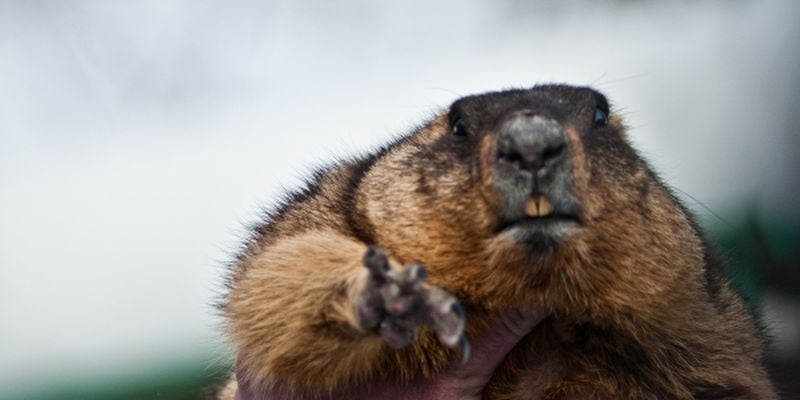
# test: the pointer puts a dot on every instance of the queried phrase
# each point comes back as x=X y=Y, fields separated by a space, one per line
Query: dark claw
x=463 y=344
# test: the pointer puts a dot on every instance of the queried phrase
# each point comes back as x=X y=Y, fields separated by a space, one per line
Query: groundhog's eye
x=459 y=128
x=600 y=117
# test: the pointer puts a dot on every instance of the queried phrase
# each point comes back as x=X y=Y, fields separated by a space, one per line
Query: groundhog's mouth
x=542 y=223
x=551 y=219
x=540 y=208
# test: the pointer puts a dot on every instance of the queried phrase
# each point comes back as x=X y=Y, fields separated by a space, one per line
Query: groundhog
x=384 y=267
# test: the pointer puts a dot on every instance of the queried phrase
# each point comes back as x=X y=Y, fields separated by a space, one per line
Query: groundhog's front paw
x=397 y=302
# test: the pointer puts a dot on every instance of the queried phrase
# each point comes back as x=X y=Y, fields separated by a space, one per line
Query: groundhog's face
x=528 y=149
x=531 y=156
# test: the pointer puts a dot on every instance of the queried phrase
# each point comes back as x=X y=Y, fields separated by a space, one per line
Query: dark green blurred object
x=184 y=381
x=762 y=255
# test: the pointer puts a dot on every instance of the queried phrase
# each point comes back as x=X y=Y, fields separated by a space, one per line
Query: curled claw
x=466 y=351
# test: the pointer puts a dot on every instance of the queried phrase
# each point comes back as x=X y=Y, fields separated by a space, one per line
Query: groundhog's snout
x=532 y=171
x=532 y=143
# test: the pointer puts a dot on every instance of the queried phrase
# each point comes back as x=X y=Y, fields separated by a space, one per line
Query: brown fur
x=638 y=310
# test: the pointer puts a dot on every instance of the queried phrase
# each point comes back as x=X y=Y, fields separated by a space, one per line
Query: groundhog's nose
x=531 y=142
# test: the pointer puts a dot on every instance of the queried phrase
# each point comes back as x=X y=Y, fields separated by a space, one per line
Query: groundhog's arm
x=305 y=311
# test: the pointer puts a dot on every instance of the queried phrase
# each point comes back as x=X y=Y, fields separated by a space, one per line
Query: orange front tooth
x=545 y=208
x=532 y=207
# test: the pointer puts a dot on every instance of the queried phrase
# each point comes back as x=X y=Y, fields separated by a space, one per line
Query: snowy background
x=137 y=138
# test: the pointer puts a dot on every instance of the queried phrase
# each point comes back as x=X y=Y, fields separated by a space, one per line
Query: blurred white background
x=137 y=138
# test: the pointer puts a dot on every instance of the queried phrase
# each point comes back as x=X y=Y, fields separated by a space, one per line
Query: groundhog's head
x=528 y=152
x=532 y=186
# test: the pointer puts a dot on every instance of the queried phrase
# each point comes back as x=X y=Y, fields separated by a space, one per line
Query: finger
x=447 y=317
x=492 y=346
x=370 y=312
x=411 y=277
x=378 y=264
x=449 y=327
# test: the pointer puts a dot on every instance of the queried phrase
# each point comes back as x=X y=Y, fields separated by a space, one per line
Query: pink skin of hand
x=457 y=382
